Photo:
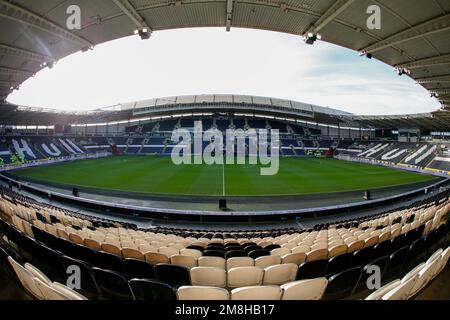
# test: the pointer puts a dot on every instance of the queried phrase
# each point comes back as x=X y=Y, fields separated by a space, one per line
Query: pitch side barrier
x=401 y=166
x=43 y=162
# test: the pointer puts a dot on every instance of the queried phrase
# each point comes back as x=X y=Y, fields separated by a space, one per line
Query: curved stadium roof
x=414 y=36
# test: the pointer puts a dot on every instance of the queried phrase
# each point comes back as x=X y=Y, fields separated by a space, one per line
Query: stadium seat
x=342 y=284
x=244 y=277
x=110 y=261
x=312 y=269
x=112 y=285
x=256 y=293
x=312 y=289
x=240 y=262
x=152 y=290
x=362 y=256
x=317 y=254
x=266 y=261
x=379 y=293
x=202 y=293
x=337 y=250
x=258 y=253
x=177 y=276
x=191 y=252
x=297 y=258
x=235 y=253
x=132 y=253
x=88 y=287
x=279 y=274
x=395 y=264
x=26 y=279
x=135 y=268
x=208 y=276
x=184 y=261
x=339 y=263
x=155 y=258
x=211 y=262
x=56 y=291
x=401 y=292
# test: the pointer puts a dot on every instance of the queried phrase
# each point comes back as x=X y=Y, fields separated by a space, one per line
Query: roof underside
x=413 y=36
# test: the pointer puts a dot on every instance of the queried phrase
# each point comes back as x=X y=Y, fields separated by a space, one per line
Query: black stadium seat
x=175 y=275
x=312 y=269
x=152 y=290
x=139 y=269
x=339 y=263
x=112 y=285
x=110 y=261
x=88 y=287
x=258 y=253
x=342 y=284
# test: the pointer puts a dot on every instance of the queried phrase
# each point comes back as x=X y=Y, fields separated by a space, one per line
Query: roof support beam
x=428 y=62
x=430 y=27
x=335 y=10
x=433 y=79
x=24 y=16
x=21 y=53
x=9 y=84
x=442 y=92
x=229 y=14
x=15 y=72
x=128 y=9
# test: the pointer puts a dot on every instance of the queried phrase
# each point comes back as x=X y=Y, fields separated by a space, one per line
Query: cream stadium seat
x=256 y=293
x=356 y=245
x=202 y=293
x=337 y=250
x=384 y=236
x=93 y=244
x=436 y=260
x=212 y=262
x=303 y=248
x=304 y=290
x=184 y=261
x=191 y=252
x=444 y=256
x=26 y=278
x=155 y=258
x=132 y=253
x=168 y=251
x=111 y=248
x=240 y=262
x=55 y=291
x=318 y=254
x=280 y=252
x=279 y=274
x=297 y=258
x=423 y=274
x=402 y=291
x=266 y=261
x=208 y=276
x=244 y=277
x=378 y=294
x=76 y=238
x=371 y=241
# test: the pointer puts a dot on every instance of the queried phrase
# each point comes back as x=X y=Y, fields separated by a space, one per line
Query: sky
x=212 y=61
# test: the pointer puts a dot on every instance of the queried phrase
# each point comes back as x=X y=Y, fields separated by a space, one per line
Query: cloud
x=209 y=60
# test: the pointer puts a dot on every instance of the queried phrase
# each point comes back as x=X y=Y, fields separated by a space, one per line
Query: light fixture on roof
x=368 y=55
x=310 y=38
x=402 y=71
x=144 y=33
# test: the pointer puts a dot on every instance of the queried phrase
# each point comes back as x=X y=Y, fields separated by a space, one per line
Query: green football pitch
x=158 y=175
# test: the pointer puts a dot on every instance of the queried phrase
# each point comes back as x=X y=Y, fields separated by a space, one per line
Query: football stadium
x=225 y=196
